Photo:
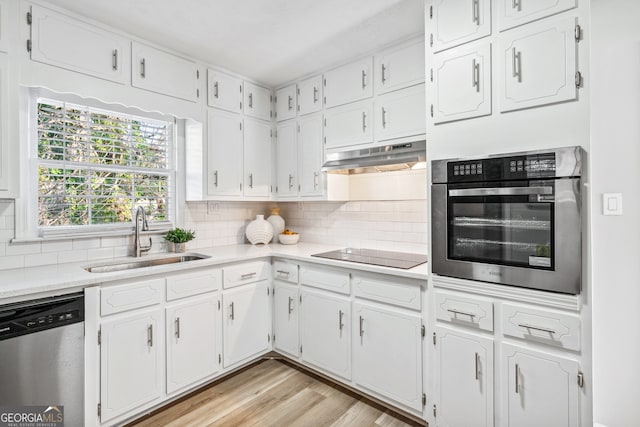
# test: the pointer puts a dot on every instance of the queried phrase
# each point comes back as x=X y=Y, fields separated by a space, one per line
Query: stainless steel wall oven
x=510 y=219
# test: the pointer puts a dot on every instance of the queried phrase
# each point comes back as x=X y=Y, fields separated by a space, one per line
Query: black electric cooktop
x=375 y=257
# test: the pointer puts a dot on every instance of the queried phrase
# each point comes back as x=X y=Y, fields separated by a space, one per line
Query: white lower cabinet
x=285 y=318
x=246 y=326
x=325 y=331
x=193 y=341
x=388 y=352
x=463 y=383
x=540 y=389
x=132 y=361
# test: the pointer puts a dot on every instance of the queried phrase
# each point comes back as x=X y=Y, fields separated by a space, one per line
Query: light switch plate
x=612 y=203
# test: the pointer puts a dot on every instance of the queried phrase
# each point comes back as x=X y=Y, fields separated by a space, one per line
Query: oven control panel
x=503 y=168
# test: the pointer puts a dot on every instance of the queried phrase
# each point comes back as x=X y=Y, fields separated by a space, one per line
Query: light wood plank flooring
x=273 y=393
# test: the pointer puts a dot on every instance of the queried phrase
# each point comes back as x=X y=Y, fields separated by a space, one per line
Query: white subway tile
x=23 y=248
x=72 y=256
x=41 y=259
x=100 y=253
x=92 y=243
x=57 y=246
x=13 y=261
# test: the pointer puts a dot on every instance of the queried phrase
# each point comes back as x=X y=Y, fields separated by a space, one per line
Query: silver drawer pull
x=150 y=335
x=537 y=328
x=361 y=326
x=177 y=326
x=464 y=313
x=231 y=311
x=283 y=273
x=290 y=305
x=340 y=315
x=248 y=275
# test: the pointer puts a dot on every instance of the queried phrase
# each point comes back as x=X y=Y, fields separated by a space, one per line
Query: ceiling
x=271 y=41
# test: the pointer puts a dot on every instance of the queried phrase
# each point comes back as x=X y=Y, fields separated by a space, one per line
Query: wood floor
x=273 y=393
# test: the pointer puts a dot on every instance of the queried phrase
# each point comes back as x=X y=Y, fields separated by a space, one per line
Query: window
x=95 y=167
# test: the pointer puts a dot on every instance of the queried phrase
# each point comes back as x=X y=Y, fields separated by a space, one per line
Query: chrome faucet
x=141 y=218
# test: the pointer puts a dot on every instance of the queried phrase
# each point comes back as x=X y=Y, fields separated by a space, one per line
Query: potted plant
x=179 y=236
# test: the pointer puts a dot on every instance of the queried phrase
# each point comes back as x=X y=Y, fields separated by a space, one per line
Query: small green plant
x=179 y=235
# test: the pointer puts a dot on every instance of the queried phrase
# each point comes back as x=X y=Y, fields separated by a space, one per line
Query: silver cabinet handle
x=251 y=100
x=476 y=11
x=315 y=94
x=283 y=273
x=250 y=180
x=114 y=59
x=290 y=104
x=315 y=180
x=215 y=178
x=361 y=326
x=517 y=378
x=517 y=4
x=290 y=305
x=290 y=181
x=477 y=366
x=364 y=79
x=476 y=75
x=177 y=326
x=537 y=328
x=232 y=311
x=150 y=335
x=215 y=90
x=340 y=324
x=248 y=275
x=516 y=58
x=384 y=118
x=364 y=122
x=464 y=313
x=384 y=74
x=143 y=68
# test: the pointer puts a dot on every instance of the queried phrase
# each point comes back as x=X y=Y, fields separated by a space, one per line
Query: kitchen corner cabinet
x=348 y=125
x=257 y=158
x=349 y=83
x=310 y=156
x=224 y=154
x=286 y=174
x=162 y=72
x=462 y=83
x=399 y=68
x=540 y=389
x=257 y=101
x=538 y=64
x=286 y=106
x=310 y=95
x=400 y=114
x=454 y=22
x=388 y=352
x=463 y=383
x=224 y=91
x=285 y=318
x=513 y=13
x=65 y=42
x=325 y=332
x=131 y=361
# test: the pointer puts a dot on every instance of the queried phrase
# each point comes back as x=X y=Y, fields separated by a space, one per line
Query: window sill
x=97 y=234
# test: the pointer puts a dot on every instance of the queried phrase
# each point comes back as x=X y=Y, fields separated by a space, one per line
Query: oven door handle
x=502 y=191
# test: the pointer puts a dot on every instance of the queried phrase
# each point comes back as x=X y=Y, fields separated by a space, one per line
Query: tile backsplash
x=393 y=225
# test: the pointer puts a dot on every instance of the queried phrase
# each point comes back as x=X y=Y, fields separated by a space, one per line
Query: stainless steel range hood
x=377 y=159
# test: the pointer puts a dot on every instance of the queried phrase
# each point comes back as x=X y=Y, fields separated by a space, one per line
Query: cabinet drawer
x=238 y=275
x=333 y=280
x=189 y=284
x=543 y=326
x=391 y=291
x=116 y=299
x=285 y=271
x=463 y=310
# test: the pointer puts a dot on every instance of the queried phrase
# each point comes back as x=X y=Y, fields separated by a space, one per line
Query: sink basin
x=141 y=263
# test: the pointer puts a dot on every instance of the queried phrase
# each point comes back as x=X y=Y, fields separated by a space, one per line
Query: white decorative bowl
x=289 y=239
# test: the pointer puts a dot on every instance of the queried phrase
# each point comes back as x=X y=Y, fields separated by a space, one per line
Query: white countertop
x=23 y=283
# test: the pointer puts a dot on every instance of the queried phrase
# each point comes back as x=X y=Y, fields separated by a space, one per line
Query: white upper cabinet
x=348 y=125
x=225 y=154
x=512 y=13
x=4 y=26
x=59 y=40
x=286 y=159
x=224 y=91
x=538 y=64
x=454 y=22
x=257 y=101
x=462 y=83
x=286 y=103
x=310 y=95
x=161 y=72
x=6 y=181
x=351 y=82
x=400 y=114
x=399 y=68
x=257 y=158
x=310 y=156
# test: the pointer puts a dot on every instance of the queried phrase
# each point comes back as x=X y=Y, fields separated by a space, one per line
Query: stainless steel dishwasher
x=42 y=355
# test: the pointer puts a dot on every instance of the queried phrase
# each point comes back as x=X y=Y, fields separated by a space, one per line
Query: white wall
x=615 y=160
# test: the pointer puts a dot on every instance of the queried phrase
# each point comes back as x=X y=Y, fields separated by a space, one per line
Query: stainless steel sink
x=141 y=263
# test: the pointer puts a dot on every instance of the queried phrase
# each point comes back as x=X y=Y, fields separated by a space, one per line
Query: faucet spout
x=141 y=223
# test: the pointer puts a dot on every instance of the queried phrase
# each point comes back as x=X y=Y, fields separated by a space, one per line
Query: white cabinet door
x=286 y=159
x=286 y=106
x=400 y=114
x=246 y=326
x=6 y=182
x=72 y=44
x=454 y=22
x=131 y=361
x=351 y=82
x=225 y=154
x=462 y=83
x=538 y=64
x=463 y=383
x=257 y=158
x=388 y=352
x=517 y=12
x=310 y=155
x=257 y=101
x=310 y=95
x=399 y=68
x=541 y=389
x=193 y=341
x=325 y=332
x=4 y=25
x=285 y=318
x=162 y=72
x=348 y=125
x=224 y=91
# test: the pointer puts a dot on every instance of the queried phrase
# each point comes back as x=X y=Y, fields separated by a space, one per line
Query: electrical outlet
x=612 y=204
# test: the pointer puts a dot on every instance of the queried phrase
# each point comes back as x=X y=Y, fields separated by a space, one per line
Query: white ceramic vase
x=259 y=231
x=277 y=222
